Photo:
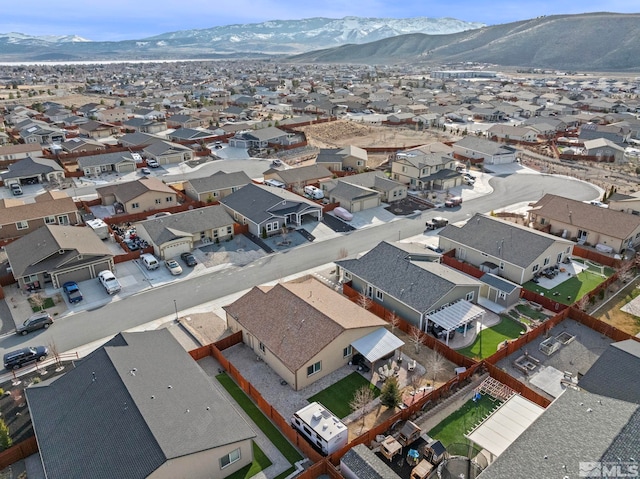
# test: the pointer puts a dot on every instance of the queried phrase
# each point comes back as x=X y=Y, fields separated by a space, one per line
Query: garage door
x=371 y=203
x=76 y=275
x=356 y=206
x=174 y=250
x=126 y=168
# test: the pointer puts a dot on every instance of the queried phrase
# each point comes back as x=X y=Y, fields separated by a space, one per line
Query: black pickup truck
x=437 y=222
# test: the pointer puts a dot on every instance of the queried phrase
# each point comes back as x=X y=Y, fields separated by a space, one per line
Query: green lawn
x=487 y=341
x=452 y=429
x=531 y=313
x=48 y=303
x=260 y=463
x=267 y=427
x=336 y=398
x=574 y=288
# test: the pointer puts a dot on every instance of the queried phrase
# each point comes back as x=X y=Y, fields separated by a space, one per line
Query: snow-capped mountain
x=21 y=38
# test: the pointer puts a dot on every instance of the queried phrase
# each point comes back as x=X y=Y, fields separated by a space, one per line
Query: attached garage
x=77 y=275
x=171 y=250
x=126 y=167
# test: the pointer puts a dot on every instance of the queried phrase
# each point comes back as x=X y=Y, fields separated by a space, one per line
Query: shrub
x=5 y=437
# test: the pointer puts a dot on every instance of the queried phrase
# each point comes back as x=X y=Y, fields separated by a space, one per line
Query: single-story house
x=510 y=132
x=350 y=158
x=363 y=191
x=260 y=138
x=299 y=177
x=412 y=286
x=81 y=145
x=183 y=121
x=97 y=129
x=138 y=139
x=304 y=331
x=178 y=233
x=165 y=152
x=137 y=407
x=606 y=229
x=215 y=187
x=601 y=147
x=511 y=251
x=119 y=162
x=144 y=126
x=190 y=134
x=267 y=209
x=623 y=202
x=484 y=151
x=55 y=254
x=146 y=194
x=38 y=169
x=13 y=153
x=19 y=218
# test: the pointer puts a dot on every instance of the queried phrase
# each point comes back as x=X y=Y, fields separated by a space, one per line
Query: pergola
x=454 y=315
x=377 y=344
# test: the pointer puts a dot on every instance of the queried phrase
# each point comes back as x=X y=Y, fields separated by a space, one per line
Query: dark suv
x=17 y=359
x=37 y=321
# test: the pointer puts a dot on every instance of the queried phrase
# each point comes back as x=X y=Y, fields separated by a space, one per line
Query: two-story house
x=422 y=169
x=146 y=194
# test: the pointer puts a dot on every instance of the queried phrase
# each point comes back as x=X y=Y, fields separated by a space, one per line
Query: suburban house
x=18 y=218
x=55 y=254
x=479 y=150
x=605 y=149
x=137 y=407
x=363 y=191
x=41 y=133
x=37 y=169
x=411 y=285
x=183 y=121
x=423 y=169
x=265 y=210
x=350 y=158
x=190 y=134
x=506 y=249
x=13 y=153
x=119 y=162
x=513 y=133
x=215 y=187
x=98 y=130
x=144 y=126
x=138 y=139
x=261 y=138
x=81 y=145
x=608 y=230
x=146 y=194
x=304 y=331
x=627 y=203
x=299 y=177
x=109 y=115
x=165 y=152
x=179 y=233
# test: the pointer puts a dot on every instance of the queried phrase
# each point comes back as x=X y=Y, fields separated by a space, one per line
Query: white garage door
x=371 y=203
x=176 y=249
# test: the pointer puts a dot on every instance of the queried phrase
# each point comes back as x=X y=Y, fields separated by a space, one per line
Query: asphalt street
x=72 y=332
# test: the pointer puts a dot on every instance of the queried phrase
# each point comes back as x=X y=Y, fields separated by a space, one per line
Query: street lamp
x=175 y=306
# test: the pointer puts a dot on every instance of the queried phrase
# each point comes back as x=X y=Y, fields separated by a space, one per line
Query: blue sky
x=134 y=19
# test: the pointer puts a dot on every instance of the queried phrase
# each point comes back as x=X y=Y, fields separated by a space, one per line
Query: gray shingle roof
x=187 y=223
x=136 y=139
x=366 y=465
x=615 y=373
x=391 y=270
x=303 y=174
x=104 y=159
x=31 y=167
x=577 y=427
x=259 y=203
x=220 y=181
x=127 y=408
x=164 y=148
x=519 y=245
x=349 y=191
x=499 y=283
x=483 y=146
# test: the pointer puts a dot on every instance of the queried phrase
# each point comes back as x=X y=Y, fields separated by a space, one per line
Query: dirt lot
x=611 y=313
x=341 y=133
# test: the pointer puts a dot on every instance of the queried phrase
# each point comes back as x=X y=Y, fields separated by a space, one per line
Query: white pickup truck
x=109 y=281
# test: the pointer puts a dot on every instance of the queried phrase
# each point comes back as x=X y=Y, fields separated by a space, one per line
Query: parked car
x=41 y=320
x=189 y=259
x=109 y=281
x=275 y=163
x=16 y=189
x=173 y=266
x=18 y=358
x=153 y=163
x=437 y=222
x=145 y=171
x=453 y=202
x=72 y=290
x=435 y=248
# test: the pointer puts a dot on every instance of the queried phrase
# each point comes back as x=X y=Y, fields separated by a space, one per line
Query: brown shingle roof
x=295 y=321
x=132 y=189
x=46 y=204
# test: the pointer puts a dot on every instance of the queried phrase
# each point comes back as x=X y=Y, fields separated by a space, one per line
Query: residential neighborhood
x=241 y=268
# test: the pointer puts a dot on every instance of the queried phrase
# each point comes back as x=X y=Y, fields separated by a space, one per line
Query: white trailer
x=321 y=427
x=100 y=228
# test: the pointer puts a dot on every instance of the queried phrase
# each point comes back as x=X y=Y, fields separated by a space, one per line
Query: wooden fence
x=18 y=451
x=460 y=266
x=592 y=255
x=544 y=301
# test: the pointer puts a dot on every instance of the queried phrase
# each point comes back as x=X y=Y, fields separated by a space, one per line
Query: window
x=63 y=220
x=469 y=296
x=50 y=220
x=542 y=221
x=262 y=348
x=347 y=275
x=169 y=199
x=501 y=264
x=230 y=458
x=379 y=294
x=535 y=268
x=404 y=169
x=229 y=230
x=346 y=352
x=158 y=201
x=215 y=194
x=314 y=368
x=135 y=206
x=22 y=225
x=272 y=226
x=559 y=258
x=369 y=291
x=502 y=295
x=546 y=261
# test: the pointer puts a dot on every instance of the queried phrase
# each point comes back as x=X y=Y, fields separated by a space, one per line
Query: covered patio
x=377 y=345
x=456 y=315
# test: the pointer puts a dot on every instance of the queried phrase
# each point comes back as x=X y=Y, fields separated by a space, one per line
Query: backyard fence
x=18 y=451
x=592 y=255
x=517 y=386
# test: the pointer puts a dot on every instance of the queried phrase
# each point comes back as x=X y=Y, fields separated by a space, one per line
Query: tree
x=416 y=337
x=5 y=436
x=38 y=301
x=364 y=301
x=436 y=364
x=361 y=398
x=626 y=270
x=582 y=303
x=394 y=320
x=390 y=395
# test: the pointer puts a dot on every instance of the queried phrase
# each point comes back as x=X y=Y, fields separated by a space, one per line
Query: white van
x=149 y=261
x=313 y=192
